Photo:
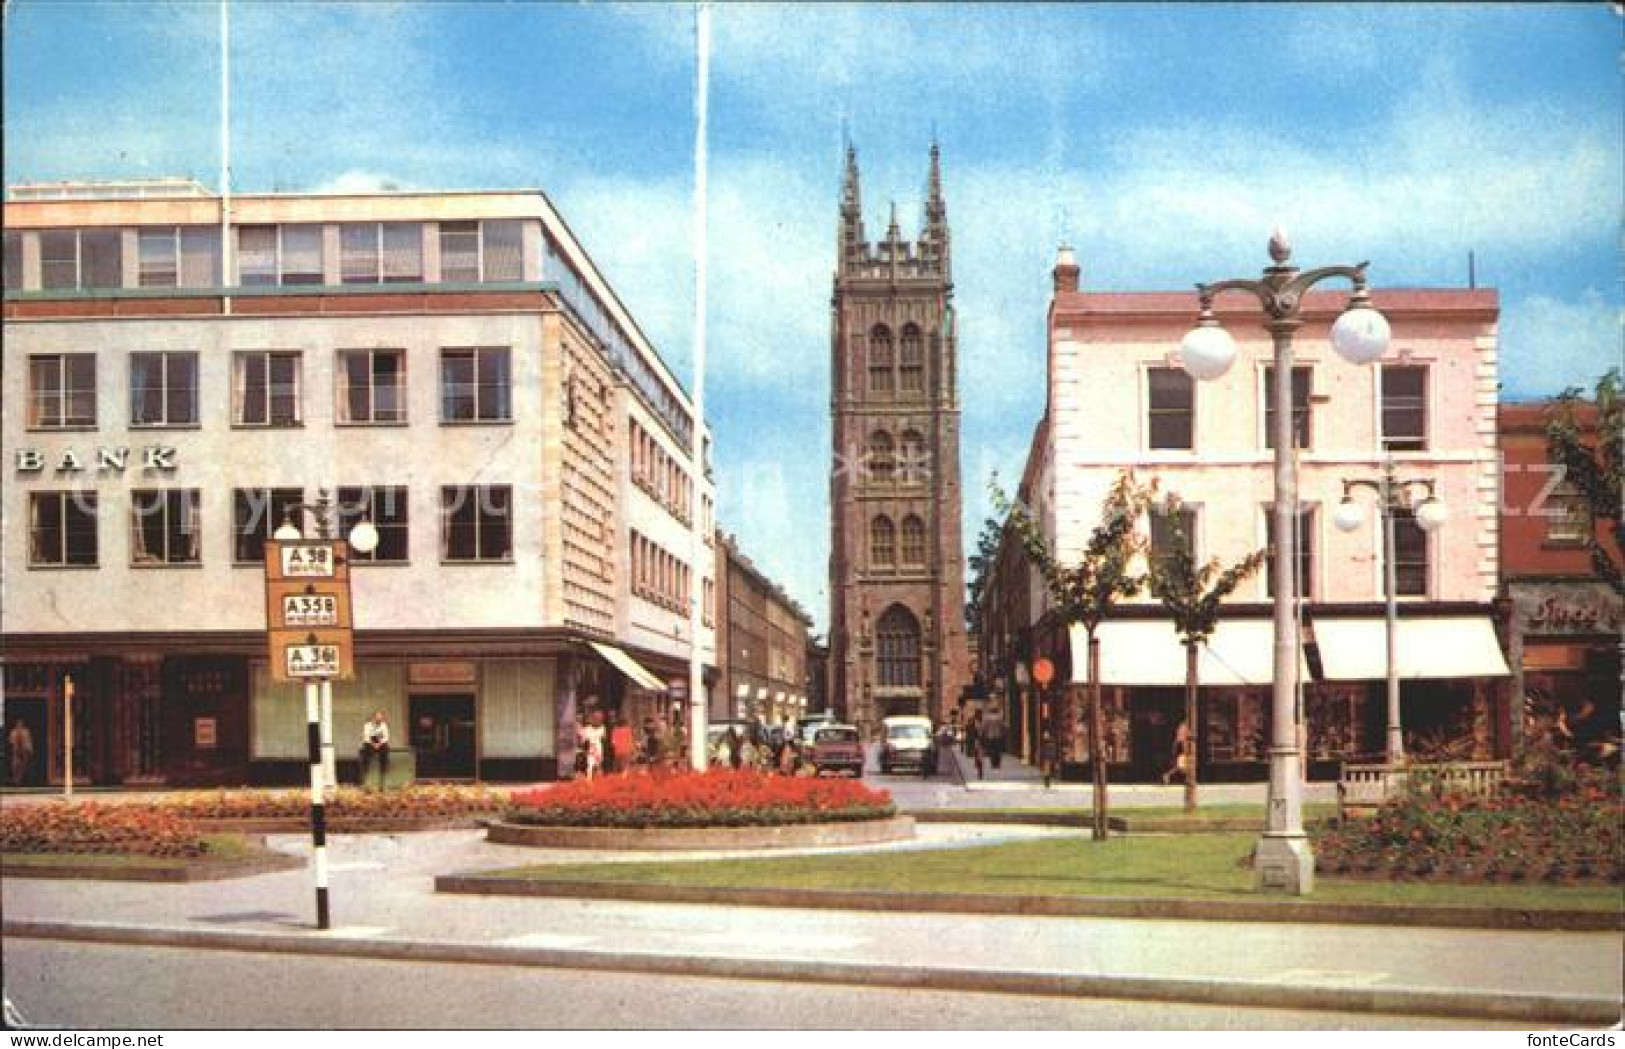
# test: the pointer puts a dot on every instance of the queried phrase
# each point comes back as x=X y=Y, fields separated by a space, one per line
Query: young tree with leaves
x=1593 y=461
x=981 y=567
x=1083 y=593
x=1192 y=594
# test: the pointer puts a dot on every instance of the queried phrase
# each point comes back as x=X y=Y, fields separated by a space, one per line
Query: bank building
x=451 y=367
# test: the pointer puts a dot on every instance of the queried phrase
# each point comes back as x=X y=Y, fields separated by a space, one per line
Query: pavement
x=384 y=906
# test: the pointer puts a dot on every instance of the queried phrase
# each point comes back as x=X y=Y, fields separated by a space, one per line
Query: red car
x=836 y=748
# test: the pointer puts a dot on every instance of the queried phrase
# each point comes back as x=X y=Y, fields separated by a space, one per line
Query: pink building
x=1118 y=399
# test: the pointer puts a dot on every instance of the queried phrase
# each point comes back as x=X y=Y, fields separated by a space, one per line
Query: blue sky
x=1162 y=141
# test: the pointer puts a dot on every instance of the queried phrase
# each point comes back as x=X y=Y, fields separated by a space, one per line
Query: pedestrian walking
x=1182 y=757
x=592 y=739
x=734 y=745
x=20 y=745
x=1046 y=756
x=993 y=733
x=974 y=743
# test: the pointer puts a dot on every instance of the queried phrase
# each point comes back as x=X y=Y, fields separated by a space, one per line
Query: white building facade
x=450 y=366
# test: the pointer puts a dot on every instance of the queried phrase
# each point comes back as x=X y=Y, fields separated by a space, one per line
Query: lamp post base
x=1283 y=864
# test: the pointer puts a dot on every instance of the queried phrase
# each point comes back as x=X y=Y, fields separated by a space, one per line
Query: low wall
x=792 y=836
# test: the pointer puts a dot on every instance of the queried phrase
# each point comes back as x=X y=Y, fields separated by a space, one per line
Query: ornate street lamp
x=1393 y=497
x=1283 y=862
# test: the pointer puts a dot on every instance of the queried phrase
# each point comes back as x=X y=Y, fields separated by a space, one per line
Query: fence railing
x=1368 y=786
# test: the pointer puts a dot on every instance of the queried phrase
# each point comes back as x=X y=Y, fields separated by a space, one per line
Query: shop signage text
x=105 y=460
x=1562 y=609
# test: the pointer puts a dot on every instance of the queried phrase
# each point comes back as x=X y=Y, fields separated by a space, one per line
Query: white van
x=907 y=742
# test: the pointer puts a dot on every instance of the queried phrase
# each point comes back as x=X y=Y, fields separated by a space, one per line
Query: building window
x=13 y=265
x=381 y=252
x=386 y=508
x=74 y=259
x=913 y=542
x=1301 y=433
x=476 y=523
x=1172 y=400
x=1172 y=533
x=880 y=360
x=371 y=386
x=911 y=361
x=897 y=649
x=1404 y=408
x=471 y=252
x=1568 y=516
x=1305 y=538
x=301 y=261
x=256 y=255
x=255 y=514
x=474 y=385
x=882 y=543
x=62 y=391
x=62 y=529
x=1410 y=556
x=265 y=390
x=200 y=257
x=163 y=389
x=882 y=463
x=165 y=527
x=158 y=257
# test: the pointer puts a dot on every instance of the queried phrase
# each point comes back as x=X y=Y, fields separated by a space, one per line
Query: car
x=907 y=743
x=835 y=748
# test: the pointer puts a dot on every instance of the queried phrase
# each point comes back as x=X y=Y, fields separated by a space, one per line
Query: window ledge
x=75 y=428
x=340 y=425
x=145 y=566
x=476 y=422
x=49 y=567
x=449 y=562
x=147 y=427
x=269 y=426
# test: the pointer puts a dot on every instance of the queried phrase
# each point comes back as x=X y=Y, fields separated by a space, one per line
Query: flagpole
x=696 y=669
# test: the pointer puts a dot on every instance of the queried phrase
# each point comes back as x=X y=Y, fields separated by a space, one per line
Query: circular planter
x=789 y=836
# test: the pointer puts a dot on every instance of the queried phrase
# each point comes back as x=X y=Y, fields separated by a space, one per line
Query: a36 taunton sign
x=307 y=608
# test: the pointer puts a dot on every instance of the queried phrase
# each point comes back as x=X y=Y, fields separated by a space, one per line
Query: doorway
x=1156 y=714
x=442 y=735
x=32 y=713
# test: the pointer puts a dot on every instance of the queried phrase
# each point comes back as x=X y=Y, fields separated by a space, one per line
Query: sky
x=1163 y=142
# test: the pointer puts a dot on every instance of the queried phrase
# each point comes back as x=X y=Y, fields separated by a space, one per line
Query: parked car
x=907 y=743
x=835 y=748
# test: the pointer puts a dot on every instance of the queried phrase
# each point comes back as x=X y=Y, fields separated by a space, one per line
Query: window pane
x=388 y=386
x=181 y=388
x=200 y=257
x=1404 y=408
x=146 y=389
x=256 y=255
x=357 y=404
x=102 y=257
x=301 y=254
x=1306 y=553
x=45 y=543
x=79 y=527
x=1172 y=400
x=457 y=386
x=1410 y=555
x=1300 y=408
x=493 y=380
x=459 y=252
x=358 y=252
x=460 y=513
x=80 y=406
x=59 y=259
x=158 y=259
x=494 y=538
x=284 y=389
x=502 y=250
x=403 y=251
x=251 y=382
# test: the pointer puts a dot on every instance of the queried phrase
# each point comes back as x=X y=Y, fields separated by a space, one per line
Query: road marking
x=546 y=939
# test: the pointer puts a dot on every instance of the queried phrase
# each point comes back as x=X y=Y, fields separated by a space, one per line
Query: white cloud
x=1549 y=344
x=361 y=182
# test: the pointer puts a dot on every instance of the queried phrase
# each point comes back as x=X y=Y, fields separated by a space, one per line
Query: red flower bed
x=147 y=830
x=718 y=798
x=1518 y=835
x=407 y=803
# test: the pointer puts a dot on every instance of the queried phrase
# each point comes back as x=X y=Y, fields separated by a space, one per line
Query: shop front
x=1565 y=645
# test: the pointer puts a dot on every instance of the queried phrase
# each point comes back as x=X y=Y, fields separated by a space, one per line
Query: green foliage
x=1085 y=591
x=1190 y=592
x=981 y=567
x=1593 y=461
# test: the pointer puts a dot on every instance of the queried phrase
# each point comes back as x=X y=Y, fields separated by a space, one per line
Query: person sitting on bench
x=375 y=744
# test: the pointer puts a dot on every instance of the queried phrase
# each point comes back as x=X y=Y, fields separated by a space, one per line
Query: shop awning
x=628 y=666
x=1148 y=652
x=1429 y=647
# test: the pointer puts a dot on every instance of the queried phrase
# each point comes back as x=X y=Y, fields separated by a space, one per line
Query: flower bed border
x=782 y=836
x=340 y=824
x=172 y=871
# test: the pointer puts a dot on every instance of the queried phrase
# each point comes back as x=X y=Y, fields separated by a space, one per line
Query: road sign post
x=310 y=640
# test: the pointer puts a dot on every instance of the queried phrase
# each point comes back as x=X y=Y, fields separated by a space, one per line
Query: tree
x=1082 y=594
x=981 y=567
x=1192 y=594
x=1591 y=459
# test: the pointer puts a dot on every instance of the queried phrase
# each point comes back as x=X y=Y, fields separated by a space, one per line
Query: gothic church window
x=882 y=542
x=882 y=463
x=897 y=649
x=911 y=361
x=913 y=542
x=880 y=360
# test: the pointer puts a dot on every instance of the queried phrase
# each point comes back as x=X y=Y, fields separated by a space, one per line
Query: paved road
x=89 y=986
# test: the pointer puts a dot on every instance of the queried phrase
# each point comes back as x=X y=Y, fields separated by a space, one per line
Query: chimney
x=1066 y=270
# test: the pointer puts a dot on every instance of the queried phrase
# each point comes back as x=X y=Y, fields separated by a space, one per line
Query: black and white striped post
x=318 y=801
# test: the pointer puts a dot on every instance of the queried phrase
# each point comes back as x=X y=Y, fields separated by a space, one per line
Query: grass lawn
x=1136 y=815
x=1185 y=866
x=223 y=848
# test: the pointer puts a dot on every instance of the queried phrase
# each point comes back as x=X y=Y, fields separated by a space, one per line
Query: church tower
x=897 y=572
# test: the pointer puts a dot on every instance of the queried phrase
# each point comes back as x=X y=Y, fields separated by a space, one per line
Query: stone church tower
x=897 y=572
